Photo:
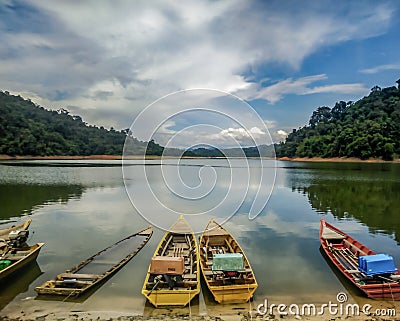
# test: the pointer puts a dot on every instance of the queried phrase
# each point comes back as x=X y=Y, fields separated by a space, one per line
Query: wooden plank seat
x=72 y=281
x=79 y=276
x=189 y=276
x=14 y=257
x=161 y=284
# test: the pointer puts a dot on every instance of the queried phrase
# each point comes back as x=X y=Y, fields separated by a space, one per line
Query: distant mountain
x=263 y=151
x=368 y=128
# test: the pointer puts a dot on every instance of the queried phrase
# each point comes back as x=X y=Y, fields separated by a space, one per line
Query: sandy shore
x=116 y=316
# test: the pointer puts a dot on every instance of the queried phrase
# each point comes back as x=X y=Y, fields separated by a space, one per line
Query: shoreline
x=121 y=316
x=140 y=157
x=336 y=160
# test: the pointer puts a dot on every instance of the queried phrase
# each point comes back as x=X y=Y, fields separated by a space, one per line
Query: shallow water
x=81 y=207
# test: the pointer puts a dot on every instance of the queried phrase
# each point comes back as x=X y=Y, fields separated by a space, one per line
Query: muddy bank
x=114 y=316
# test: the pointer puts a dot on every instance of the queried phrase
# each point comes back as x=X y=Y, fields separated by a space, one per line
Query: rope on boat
x=158 y=277
x=390 y=286
x=190 y=308
x=250 y=307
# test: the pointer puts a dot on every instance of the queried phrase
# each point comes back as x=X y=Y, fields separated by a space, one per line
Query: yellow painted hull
x=233 y=293
x=181 y=298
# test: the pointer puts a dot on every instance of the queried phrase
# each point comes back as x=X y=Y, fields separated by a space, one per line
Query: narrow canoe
x=18 y=257
x=344 y=252
x=173 y=277
x=235 y=286
x=5 y=232
x=97 y=268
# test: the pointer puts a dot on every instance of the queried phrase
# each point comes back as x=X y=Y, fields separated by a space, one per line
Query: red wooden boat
x=344 y=252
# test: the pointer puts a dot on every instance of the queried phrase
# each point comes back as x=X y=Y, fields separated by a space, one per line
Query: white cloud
x=108 y=60
x=300 y=86
x=337 y=88
x=240 y=133
x=270 y=123
x=281 y=134
x=211 y=136
x=276 y=91
x=380 y=68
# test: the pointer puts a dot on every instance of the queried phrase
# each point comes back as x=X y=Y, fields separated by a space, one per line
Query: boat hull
x=233 y=293
x=74 y=282
x=237 y=290
x=343 y=251
x=23 y=261
x=178 y=298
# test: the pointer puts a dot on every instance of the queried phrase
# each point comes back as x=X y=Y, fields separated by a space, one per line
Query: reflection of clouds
x=274 y=221
x=237 y=185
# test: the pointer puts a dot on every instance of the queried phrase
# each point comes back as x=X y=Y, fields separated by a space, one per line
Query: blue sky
x=108 y=60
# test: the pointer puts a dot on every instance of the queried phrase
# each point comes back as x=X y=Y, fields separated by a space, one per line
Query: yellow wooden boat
x=96 y=269
x=14 y=258
x=225 y=267
x=4 y=233
x=173 y=277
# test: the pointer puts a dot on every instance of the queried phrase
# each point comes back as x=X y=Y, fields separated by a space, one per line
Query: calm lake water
x=79 y=208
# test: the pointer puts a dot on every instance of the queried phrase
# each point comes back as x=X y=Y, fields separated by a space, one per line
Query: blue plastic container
x=376 y=264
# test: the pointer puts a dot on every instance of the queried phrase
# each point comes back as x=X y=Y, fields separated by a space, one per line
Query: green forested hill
x=368 y=128
x=28 y=129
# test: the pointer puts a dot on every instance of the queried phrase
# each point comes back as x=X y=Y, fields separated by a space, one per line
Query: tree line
x=29 y=129
x=368 y=128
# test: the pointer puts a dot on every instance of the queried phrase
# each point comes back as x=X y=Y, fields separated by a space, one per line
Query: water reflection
x=368 y=193
x=21 y=199
x=18 y=283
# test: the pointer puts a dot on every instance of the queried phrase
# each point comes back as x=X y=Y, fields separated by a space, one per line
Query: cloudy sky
x=108 y=60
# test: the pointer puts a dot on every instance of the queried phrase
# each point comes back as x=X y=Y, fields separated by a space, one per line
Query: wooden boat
x=14 y=258
x=173 y=277
x=97 y=268
x=4 y=233
x=376 y=277
x=225 y=267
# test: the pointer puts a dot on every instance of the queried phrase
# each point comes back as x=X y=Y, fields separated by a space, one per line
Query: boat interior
x=176 y=245
x=346 y=251
x=215 y=242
